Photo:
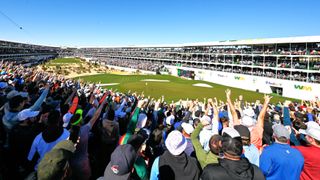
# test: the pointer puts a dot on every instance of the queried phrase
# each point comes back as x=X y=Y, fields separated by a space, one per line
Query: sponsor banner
x=302 y=87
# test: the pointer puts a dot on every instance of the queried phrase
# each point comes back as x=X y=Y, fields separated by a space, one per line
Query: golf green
x=172 y=88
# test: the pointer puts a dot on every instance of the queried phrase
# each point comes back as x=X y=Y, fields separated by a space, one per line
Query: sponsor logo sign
x=239 y=78
x=222 y=75
x=273 y=83
x=303 y=88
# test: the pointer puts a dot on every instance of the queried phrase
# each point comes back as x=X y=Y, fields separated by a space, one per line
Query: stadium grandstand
x=286 y=66
x=26 y=54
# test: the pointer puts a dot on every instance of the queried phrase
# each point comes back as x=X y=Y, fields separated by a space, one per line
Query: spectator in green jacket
x=204 y=157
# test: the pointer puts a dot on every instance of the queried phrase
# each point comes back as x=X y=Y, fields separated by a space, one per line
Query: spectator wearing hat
x=11 y=111
x=56 y=163
x=311 y=152
x=232 y=166
x=121 y=163
x=203 y=156
x=251 y=152
x=52 y=135
x=16 y=104
x=174 y=163
x=279 y=160
x=187 y=130
x=206 y=133
x=22 y=136
x=169 y=122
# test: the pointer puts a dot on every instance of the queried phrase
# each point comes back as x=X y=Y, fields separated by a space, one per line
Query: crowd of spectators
x=135 y=64
x=58 y=128
x=160 y=67
x=270 y=61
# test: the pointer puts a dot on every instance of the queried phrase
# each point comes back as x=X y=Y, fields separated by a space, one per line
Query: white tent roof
x=301 y=39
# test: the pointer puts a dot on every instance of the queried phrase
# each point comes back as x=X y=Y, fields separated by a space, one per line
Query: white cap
x=276 y=117
x=27 y=113
x=176 y=143
x=207 y=119
x=313 y=130
x=170 y=120
x=231 y=132
x=142 y=120
x=248 y=112
x=66 y=119
x=188 y=128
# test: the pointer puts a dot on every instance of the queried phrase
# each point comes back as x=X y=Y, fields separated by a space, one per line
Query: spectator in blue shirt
x=279 y=160
x=251 y=152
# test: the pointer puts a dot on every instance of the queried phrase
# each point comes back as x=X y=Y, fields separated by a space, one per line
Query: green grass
x=65 y=61
x=174 y=90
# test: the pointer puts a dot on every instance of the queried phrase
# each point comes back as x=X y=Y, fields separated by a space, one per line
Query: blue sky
x=133 y=22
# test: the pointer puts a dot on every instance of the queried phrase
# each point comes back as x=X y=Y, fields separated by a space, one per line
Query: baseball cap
x=66 y=119
x=121 y=163
x=3 y=85
x=231 y=142
x=53 y=164
x=248 y=112
x=176 y=143
x=280 y=131
x=188 y=128
x=276 y=117
x=208 y=120
x=136 y=140
x=243 y=131
x=313 y=130
x=27 y=113
x=231 y=132
x=170 y=120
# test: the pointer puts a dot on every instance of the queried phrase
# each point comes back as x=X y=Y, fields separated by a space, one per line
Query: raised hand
x=267 y=98
x=141 y=103
x=286 y=103
x=228 y=93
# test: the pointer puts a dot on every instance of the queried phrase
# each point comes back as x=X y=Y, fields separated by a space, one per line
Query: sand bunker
x=155 y=80
x=109 y=84
x=202 y=85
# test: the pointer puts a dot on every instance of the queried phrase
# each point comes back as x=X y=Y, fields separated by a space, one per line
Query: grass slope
x=174 y=90
x=65 y=60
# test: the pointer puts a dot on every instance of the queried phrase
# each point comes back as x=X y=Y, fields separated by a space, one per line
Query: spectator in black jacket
x=232 y=166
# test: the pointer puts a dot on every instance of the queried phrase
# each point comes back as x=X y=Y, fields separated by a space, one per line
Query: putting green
x=173 y=90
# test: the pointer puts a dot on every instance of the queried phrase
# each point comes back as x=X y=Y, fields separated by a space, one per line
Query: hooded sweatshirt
x=181 y=167
x=228 y=169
